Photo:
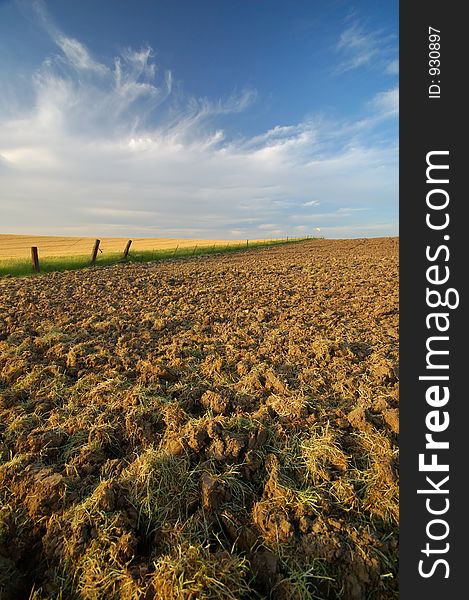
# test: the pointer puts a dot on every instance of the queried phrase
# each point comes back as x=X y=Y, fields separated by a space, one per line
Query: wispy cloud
x=386 y=103
x=119 y=148
x=359 y=47
x=392 y=68
x=77 y=55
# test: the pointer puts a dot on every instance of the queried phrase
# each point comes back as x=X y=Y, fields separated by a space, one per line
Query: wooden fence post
x=35 y=259
x=127 y=248
x=94 y=253
x=247 y=243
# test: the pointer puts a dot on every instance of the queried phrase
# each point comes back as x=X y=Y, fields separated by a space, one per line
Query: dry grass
x=214 y=428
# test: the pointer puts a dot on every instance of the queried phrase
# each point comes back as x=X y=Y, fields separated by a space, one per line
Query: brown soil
x=223 y=427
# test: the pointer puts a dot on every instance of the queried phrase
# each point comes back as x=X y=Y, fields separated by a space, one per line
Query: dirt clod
x=226 y=423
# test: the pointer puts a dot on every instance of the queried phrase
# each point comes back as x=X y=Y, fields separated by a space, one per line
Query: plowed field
x=221 y=427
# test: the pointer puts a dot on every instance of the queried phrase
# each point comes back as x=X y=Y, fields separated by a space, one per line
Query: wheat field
x=19 y=246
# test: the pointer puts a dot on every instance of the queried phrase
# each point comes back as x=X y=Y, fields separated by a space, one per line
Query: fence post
x=35 y=259
x=247 y=243
x=193 y=251
x=127 y=248
x=94 y=253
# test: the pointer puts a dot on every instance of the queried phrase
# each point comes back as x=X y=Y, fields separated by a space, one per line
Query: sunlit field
x=19 y=246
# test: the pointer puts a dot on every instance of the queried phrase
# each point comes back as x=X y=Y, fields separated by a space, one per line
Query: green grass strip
x=22 y=267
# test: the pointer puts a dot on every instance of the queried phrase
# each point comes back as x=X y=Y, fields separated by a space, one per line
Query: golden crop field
x=19 y=246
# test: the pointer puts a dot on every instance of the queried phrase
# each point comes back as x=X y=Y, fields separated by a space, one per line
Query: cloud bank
x=119 y=148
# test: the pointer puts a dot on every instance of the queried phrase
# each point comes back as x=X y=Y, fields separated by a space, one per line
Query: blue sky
x=208 y=118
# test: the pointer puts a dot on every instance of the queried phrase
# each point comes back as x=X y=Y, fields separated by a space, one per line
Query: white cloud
x=268 y=226
x=362 y=48
x=392 y=68
x=118 y=149
x=77 y=55
x=358 y=46
x=387 y=103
